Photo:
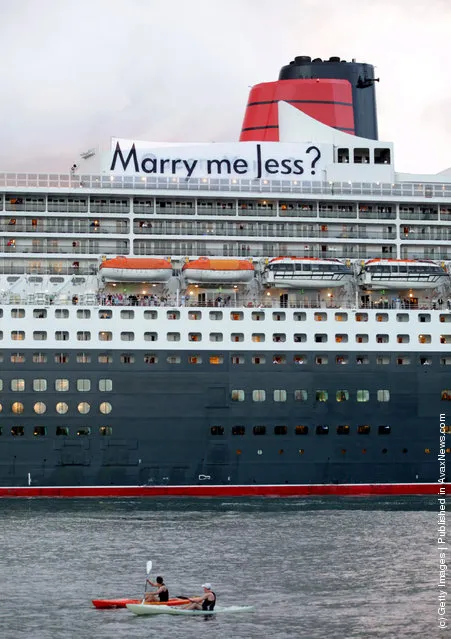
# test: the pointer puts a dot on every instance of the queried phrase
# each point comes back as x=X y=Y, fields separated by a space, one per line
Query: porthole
x=62 y=408
x=17 y=408
x=39 y=408
x=83 y=408
x=105 y=408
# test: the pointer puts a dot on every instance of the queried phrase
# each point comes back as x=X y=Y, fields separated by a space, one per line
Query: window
x=216 y=337
x=150 y=315
x=105 y=408
x=383 y=395
x=341 y=359
x=363 y=429
x=127 y=314
x=258 y=395
x=17 y=408
x=105 y=358
x=62 y=431
x=341 y=317
x=85 y=431
x=446 y=395
x=17 y=358
x=195 y=359
x=320 y=317
x=194 y=315
x=150 y=337
x=173 y=315
x=322 y=396
x=300 y=337
x=402 y=360
x=216 y=315
x=150 y=358
x=105 y=314
x=259 y=430
x=278 y=317
x=361 y=338
x=343 y=430
x=194 y=337
x=381 y=339
x=300 y=317
x=237 y=395
x=320 y=338
x=62 y=336
x=173 y=337
x=17 y=313
x=361 y=317
x=321 y=360
x=39 y=358
x=127 y=336
x=62 y=385
x=424 y=339
x=39 y=408
x=18 y=336
x=83 y=358
x=217 y=430
x=361 y=156
x=300 y=395
x=280 y=395
x=341 y=338
x=383 y=360
x=105 y=336
x=83 y=408
x=237 y=337
x=383 y=430
x=342 y=396
x=238 y=430
x=83 y=385
x=61 y=313
x=62 y=408
x=83 y=336
x=40 y=336
x=258 y=316
x=300 y=359
x=258 y=337
x=39 y=385
x=127 y=358
x=173 y=359
x=363 y=395
x=237 y=316
x=216 y=359
x=17 y=431
x=105 y=431
x=280 y=430
x=83 y=313
x=237 y=359
x=301 y=430
x=279 y=359
x=18 y=385
x=105 y=385
x=322 y=430
x=403 y=339
x=381 y=317
x=258 y=359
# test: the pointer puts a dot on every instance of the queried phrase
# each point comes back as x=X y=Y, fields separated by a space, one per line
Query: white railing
x=55 y=180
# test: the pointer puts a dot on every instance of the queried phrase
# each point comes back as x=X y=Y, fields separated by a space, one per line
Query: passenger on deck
x=161 y=594
x=206 y=601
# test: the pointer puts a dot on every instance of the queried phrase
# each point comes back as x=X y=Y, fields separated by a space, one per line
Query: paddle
x=148 y=569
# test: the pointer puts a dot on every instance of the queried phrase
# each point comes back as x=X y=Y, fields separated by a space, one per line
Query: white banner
x=251 y=160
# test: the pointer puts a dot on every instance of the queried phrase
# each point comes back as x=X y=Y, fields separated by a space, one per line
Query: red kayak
x=121 y=603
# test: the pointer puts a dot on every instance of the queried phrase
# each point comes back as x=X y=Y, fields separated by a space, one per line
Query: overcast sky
x=74 y=73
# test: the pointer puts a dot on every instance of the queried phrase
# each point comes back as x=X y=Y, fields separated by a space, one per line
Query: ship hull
x=172 y=429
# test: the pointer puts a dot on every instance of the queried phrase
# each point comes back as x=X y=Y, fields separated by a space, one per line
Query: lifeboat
x=401 y=274
x=207 y=271
x=306 y=272
x=135 y=269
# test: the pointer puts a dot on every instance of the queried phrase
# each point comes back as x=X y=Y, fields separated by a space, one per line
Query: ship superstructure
x=263 y=317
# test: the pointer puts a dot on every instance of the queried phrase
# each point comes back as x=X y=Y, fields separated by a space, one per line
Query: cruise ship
x=266 y=317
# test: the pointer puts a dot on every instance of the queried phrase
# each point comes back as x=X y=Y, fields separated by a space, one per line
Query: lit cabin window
x=17 y=358
x=341 y=338
x=173 y=315
x=445 y=339
x=39 y=385
x=84 y=431
x=39 y=408
x=320 y=317
x=445 y=317
x=105 y=336
x=383 y=395
x=342 y=396
x=300 y=395
x=18 y=385
x=424 y=339
x=105 y=358
x=105 y=408
x=61 y=408
x=363 y=396
x=343 y=430
x=322 y=430
x=195 y=359
x=361 y=156
x=105 y=385
x=363 y=429
x=83 y=408
x=194 y=315
x=236 y=316
x=237 y=395
x=301 y=430
x=61 y=385
x=341 y=317
x=18 y=335
x=361 y=317
x=258 y=337
x=280 y=395
x=194 y=337
x=237 y=337
x=258 y=395
x=83 y=385
x=382 y=156
x=446 y=395
x=258 y=316
x=216 y=359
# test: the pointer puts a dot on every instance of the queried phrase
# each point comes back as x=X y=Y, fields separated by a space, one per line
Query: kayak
x=121 y=603
x=145 y=609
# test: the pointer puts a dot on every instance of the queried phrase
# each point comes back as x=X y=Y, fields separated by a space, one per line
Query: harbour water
x=341 y=568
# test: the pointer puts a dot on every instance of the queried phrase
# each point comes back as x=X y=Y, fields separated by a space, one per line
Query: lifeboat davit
x=399 y=274
x=306 y=272
x=135 y=269
x=207 y=271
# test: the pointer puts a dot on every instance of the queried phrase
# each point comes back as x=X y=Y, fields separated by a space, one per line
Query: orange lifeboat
x=135 y=269
x=211 y=271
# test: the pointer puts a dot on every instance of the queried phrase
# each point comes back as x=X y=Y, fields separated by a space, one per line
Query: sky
x=74 y=73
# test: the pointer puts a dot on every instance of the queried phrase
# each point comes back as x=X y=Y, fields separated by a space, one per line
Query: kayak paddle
x=148 y=569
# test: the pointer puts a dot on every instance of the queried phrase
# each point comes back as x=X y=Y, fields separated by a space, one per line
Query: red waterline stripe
x=256 y=490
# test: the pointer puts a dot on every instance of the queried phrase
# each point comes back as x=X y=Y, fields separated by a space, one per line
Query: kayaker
x=161 y=594
x=206 y=601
